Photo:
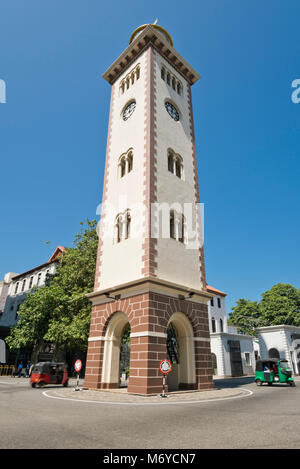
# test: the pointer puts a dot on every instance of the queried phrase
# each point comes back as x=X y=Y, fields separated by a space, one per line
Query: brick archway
x=111 y=351
x=148 y=314
x=183 y=375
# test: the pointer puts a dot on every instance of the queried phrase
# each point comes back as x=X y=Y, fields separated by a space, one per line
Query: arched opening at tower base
x=181 y=353
x=116 y=355
x=125 y=357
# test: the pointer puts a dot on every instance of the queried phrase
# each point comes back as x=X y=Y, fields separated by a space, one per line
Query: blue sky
x=53 y=127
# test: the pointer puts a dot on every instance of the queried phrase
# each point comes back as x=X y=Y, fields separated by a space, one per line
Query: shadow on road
x=233 y=382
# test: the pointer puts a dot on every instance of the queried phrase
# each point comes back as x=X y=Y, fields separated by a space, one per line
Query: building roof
x=215 y=291
x=57 y=253
x=162 y=30
x=160 y=40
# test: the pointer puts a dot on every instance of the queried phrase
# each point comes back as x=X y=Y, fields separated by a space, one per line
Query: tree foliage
x=59 y=312
x=245 y=316
x=279 y=305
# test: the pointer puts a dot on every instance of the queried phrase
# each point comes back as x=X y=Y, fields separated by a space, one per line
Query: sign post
x=165 y=367
x=77 y=367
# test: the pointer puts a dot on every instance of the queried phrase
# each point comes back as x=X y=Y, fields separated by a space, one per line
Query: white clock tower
x=150 y=270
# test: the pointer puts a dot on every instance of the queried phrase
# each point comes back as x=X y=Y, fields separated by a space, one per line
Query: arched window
x=213 y=325
x=130 y=161
x=125 y=163
x=127 y=224
x=130 y=78
x=178 y=88
x=221 y=325
x=173 y=83
x=214 y=364
x=163 y=73
x=177 y=226
x=168 y=78
x=273 y=353
x=172 y=225
x=122 y=226
x=181 y=229
x=178 y=165
x=171 y=161
x=122 y=166
x=175 y=164
x=118 y=227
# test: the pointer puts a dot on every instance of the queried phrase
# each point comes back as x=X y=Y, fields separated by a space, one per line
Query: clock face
x=129 y=110
x=172 y=111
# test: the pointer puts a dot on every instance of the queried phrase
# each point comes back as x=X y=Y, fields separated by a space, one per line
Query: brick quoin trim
x=104 y=195
x=148 y=314
x=150 y=195
x=196 y=185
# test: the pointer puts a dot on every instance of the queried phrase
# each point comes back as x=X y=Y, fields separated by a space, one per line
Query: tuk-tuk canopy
x=269 y=362
x=44 y=367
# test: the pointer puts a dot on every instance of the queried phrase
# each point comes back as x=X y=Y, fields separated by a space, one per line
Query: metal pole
x=163 y=392
x=77 y=386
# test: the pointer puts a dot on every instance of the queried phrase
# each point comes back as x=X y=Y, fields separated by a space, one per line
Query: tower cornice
x=150 y=36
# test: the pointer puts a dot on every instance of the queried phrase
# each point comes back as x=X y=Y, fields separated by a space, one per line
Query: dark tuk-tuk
x=272 y=371
x=49 y=373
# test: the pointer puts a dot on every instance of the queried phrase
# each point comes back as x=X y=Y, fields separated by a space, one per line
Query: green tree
x=246 y=316
x=59 y=312
x=281 y=305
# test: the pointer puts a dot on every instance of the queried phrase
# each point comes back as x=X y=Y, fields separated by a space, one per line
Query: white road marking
x=248 y=394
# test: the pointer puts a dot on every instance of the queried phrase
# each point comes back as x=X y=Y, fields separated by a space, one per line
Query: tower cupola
x=158 y=28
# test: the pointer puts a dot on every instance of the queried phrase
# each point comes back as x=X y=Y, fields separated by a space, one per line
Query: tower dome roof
x=162 y=31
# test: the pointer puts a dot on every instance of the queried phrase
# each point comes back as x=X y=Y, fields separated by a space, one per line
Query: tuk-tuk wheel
x=258 y=382
x=33 y=385
x=292 y=383
x=66 y=384
x=270 y=384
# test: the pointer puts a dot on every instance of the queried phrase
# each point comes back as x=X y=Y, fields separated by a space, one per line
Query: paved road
x=269 y=418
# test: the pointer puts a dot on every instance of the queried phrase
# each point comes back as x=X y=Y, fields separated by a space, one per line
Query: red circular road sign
x=165 y=366
x=78 y=365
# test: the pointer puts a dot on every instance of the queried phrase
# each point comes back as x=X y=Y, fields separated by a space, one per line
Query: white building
x=13 y=291
x=233 y=354
x=4 y=287
x=281 y=341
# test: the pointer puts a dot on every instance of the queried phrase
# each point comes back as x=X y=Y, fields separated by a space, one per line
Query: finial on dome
x=162 y=31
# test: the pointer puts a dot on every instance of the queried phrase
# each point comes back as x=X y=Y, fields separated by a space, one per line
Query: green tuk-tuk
x=272 y=371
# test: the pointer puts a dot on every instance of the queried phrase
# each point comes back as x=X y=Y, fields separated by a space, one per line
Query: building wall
x=122 y=262
x=219 y=339
x=3 y=295
x=149 y=132
x=4 y=290
x=219 y=346
x=16 y=294
x=2 y=351
x=218 y=313
x=171 y=189
x=280 y=338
